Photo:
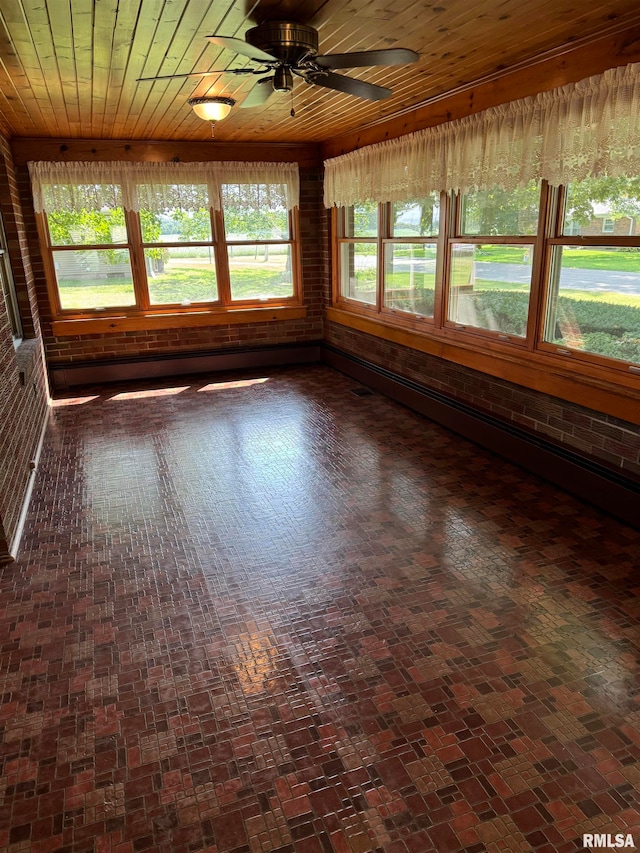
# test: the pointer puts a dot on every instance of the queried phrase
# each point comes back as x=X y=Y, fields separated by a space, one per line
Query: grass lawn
x=586 y=259
x=192 y=284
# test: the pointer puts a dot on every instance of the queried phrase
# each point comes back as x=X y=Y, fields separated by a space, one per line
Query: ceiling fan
x=283 y=49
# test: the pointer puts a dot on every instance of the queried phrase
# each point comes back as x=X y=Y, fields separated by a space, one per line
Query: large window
x=91 y=253
x=358 y=248
x=593 y=298
x=258 y=237
x=525 y=269
x=387 y=258
x=179 y=249
x=410 y=252
x=8 y=289
x=166 y=240
x=491 y=260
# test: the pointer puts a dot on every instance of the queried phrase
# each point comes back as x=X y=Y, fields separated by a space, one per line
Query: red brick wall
x=22 y=406
x=604 y=438
x=621 y=228
x=313 y=229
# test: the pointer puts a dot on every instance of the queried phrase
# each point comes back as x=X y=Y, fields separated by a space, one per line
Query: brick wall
x=606 y=439
x=622 y=227
x=313 y=229
x=23 y=404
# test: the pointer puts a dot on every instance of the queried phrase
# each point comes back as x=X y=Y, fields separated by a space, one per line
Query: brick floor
x=277 y=616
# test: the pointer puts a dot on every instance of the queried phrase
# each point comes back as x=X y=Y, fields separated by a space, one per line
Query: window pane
x=94 y=278
x=181 y=275
x=603 y=206
x=595 y=301
x=409 y=277
x=8 y=287
x=175 y=226
x=361 y=220
x=489 y=287
x=260 y=272
x=88 y=228
x=255 y=212
x=416 y=218
x=359 y=271
x=499 y=212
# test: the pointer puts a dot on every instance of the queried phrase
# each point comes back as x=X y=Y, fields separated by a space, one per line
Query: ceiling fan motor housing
x=288 y=42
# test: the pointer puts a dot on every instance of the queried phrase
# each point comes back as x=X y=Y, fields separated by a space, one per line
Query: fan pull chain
x=293 y=112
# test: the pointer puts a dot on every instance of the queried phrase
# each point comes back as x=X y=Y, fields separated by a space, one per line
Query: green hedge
x=605 y=329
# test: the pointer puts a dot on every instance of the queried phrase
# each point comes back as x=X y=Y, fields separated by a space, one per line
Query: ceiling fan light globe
x=211 y=108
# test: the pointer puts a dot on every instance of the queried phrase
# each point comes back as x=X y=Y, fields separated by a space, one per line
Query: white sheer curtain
x=586 y=129
x=159 y=187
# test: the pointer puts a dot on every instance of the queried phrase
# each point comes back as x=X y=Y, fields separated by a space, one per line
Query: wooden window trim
x=114 y=324
x=146 y=316
x=587 y=379
x=591 y=387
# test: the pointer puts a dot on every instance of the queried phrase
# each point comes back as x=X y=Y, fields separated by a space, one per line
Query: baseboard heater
x=96 y=372
x=583 y=477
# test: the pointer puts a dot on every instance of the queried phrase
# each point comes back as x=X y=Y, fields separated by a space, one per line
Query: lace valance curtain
x=161 y=187
x=586 y=129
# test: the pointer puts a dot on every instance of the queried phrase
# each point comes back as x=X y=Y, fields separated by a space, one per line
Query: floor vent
x=362 y=392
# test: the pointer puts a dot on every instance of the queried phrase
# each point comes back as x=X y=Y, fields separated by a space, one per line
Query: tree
x=498 y=211
x=622 y=195
x=195 y=225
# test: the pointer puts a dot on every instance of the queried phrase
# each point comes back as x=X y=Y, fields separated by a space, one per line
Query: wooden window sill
x=593 y=387
x=179 y=320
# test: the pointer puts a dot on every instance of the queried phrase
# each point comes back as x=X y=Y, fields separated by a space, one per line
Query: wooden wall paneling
x=172 y=39
x=104 y=27
x=82 y=23
x=127 y=59
x=62 y=28
x=24 y=150
x=133 y=48
x=71 y=67
x=157 y=44
x=190 y=51
x=33 y=95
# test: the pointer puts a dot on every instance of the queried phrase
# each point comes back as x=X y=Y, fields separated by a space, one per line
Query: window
x=259 y=244
x=179 y=250
x=168 y=238
x=593 y=300
x=524 y=269
x=491 y=260
x=91 y=253
x=387 y=256
x=358 y=251
x=608 y=225
x=410 y=256
x=8 y=289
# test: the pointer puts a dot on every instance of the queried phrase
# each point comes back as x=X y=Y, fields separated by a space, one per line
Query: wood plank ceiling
x=69 y=68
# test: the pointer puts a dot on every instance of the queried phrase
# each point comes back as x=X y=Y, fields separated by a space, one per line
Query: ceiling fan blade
x=260 y=93
x=242 y=47
x=199 y=74
x=391 y=56
x=359 y=88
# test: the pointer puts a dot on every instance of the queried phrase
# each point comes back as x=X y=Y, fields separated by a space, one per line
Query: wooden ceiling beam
x=24 y=150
